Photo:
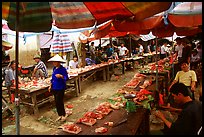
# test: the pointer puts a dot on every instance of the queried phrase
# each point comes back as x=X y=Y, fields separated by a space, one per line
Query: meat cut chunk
x=87 y=121
x=101 y=130
x=72 y=128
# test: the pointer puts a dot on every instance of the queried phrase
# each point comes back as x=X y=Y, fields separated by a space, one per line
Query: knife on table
x=120 y=122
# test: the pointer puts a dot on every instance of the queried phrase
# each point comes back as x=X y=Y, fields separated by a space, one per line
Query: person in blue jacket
x=58 y=85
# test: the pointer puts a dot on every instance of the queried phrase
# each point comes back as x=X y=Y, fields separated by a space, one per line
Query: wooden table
x=137 y=123
x=92 y=72
x=32 y=93
x=133 y=59
x=111 y=66
x=77 y=85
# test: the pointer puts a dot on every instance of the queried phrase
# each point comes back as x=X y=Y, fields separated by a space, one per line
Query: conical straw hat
x=57 y=58
x=6 y=45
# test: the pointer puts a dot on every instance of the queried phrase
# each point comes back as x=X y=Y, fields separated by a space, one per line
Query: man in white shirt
x=178 y=49
x=123 y=51
x=164 y=51
x=141 y=49
x=73 y=64
x=195 y=59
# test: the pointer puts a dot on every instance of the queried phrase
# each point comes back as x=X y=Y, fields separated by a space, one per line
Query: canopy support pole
x=17 y=107
x=110 y=39
x=99 y=43
x=156 y=65
x=130 y=47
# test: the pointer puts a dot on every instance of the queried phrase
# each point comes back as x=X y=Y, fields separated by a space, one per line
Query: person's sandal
x=59 y=118
x=63 y=118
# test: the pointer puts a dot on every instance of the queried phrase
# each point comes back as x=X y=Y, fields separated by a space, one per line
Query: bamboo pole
x=17 y=107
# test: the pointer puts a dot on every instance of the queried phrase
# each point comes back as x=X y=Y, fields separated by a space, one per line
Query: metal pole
x=100 y=41
x=17 y=107
x=110 y=39
x=130 y=47
x=172 y=57
x=156 y=66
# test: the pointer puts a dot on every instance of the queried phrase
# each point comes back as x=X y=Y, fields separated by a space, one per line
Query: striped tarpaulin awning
x=45 y=40
x=39 y=16
x=34 y=16
x=186 y=14
x=147 y=37
x=61 y=43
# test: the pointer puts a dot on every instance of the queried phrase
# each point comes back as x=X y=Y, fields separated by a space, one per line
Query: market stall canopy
x=161 y=27
x=6 y=45
x=147 y=37
x=39 y=16
x=163 y=30
x=60 y=43
x=154 y=24
x=187 y=14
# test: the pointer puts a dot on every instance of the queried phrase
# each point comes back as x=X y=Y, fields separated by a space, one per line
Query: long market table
x=137 y=123
x=134 y=59
x=92 y=72
x=32 y=93
x=151 y=57
x=112 y=65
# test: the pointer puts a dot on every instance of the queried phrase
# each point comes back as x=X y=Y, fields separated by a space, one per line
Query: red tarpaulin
x=145 y=24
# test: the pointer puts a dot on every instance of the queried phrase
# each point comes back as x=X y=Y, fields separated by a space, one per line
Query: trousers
x=59 y=101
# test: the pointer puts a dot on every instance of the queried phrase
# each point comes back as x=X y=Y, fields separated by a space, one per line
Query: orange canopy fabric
x=145 y=24
x=185 y=20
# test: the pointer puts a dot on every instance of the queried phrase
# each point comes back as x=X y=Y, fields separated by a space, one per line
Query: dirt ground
x=93 y=93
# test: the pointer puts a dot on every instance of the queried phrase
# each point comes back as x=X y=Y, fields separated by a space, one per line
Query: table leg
x=35 y=106
x=146 y=123
x=107 y=73
x=104 y=74
x=133 y=64
x=77 y=87
x=79 y=84
x=123 y=68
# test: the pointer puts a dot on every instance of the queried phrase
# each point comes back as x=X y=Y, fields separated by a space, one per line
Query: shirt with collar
x=59 y=83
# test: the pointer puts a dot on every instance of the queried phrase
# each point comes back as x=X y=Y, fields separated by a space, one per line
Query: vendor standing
x=40 y=69
x=141 y=49
x=109 y=51
x=123 y=51
x=92 y=50
x=164 y=50
x=58 y=85
x=10 y=74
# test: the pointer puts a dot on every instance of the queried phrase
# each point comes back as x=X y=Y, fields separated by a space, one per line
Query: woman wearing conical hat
x=58 y=85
